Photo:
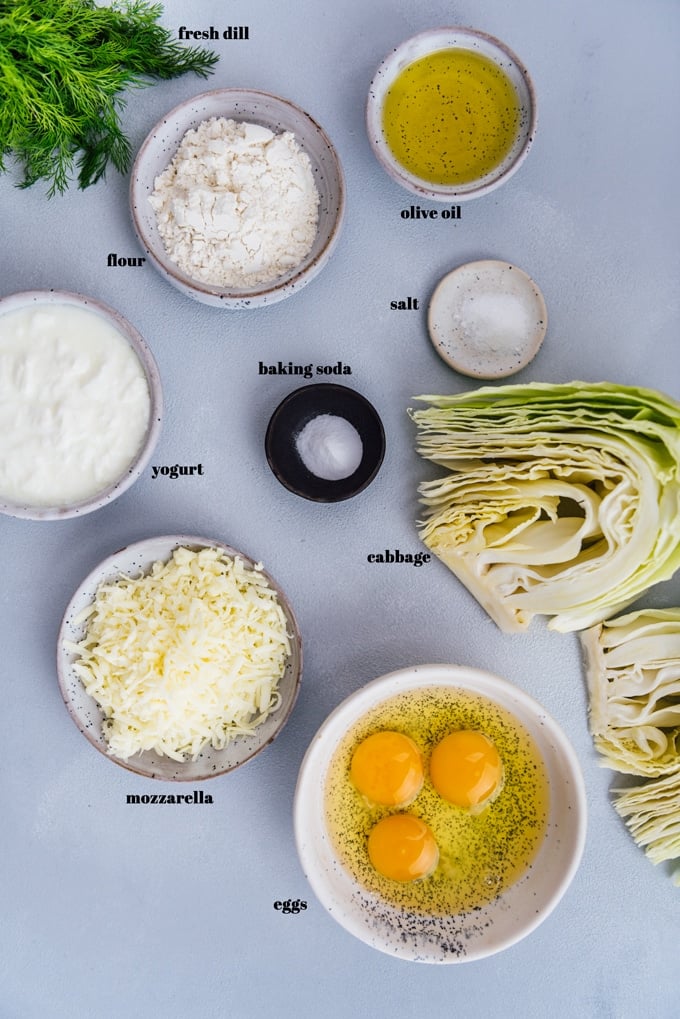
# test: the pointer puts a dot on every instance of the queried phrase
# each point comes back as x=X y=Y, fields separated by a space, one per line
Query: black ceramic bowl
x=291 y=416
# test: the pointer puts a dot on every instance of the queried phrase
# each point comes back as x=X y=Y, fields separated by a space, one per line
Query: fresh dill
x=64 y=69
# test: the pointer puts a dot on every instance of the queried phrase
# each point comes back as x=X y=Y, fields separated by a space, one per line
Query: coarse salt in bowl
x=84 y=432
x=487 y=319
x=250 y=107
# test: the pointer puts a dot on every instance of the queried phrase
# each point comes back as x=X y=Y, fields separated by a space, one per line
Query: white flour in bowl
x=238 y=205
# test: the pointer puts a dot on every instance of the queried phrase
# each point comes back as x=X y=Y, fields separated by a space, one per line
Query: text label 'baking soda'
x=305 y=370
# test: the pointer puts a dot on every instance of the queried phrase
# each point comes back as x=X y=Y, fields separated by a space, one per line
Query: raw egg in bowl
x=440 y=814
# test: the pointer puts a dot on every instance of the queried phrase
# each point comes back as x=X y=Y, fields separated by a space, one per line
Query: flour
x=238 y=205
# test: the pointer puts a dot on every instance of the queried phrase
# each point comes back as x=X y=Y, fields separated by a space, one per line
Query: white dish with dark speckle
x=257 y=107
x=487 y=319
x=484 y=930
x=43 y=405
x=136 y=560
x=435 y=40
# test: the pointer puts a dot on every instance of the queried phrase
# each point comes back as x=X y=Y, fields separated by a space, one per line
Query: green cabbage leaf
x=556 y=499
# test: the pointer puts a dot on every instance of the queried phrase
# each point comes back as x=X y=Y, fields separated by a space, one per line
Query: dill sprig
x=64 y=68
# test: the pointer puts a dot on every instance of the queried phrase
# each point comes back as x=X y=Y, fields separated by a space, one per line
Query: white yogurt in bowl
x=79 y=405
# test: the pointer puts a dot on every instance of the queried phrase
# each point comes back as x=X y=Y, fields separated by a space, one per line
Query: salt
x=494 y=323
x=487 y=319
x=330 y=447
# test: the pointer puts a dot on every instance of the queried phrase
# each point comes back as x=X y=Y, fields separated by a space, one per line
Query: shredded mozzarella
x=187 y=655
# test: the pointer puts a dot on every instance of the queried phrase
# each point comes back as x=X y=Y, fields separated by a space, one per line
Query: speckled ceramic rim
x=133 y=560
x=421 y=45
x=148 y=363
x=487 y=276
x=482 y=932
x=279 y=115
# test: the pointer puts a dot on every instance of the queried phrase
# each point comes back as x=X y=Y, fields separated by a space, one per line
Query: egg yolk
x=387 y=769
x=466 y=769
x=403 y=848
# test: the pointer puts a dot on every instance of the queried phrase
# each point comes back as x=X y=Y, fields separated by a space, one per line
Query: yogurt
x=74 y=404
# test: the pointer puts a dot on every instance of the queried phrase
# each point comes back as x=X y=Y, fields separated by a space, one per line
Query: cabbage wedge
x=652 y=814
x=559 y=500
x=633 y=676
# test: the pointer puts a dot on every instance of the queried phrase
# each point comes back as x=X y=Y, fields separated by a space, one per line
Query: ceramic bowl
x=297 y=410
x=487 y=319
x=46 y=298
x=85 y=712
x=486 y=929
x=422 y=45
x=278 y=115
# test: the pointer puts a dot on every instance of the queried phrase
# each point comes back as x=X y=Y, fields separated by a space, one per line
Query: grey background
x=111 y=910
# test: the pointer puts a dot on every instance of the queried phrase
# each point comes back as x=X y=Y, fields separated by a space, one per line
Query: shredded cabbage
x=633 y=674
x=652 y=814
x=560 y=500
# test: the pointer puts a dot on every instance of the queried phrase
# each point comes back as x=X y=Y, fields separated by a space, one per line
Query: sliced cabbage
x=633 y=674
x=560 y=500
x=652 y=813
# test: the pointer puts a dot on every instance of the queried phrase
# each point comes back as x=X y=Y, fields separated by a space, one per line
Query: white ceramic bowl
x=85 y=712
x=278 y=115
x=487 y=319
x=422 y=45
x=37 y=298
x=484 y=930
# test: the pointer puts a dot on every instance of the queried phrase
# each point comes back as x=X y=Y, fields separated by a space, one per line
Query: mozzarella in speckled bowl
x=135 y=561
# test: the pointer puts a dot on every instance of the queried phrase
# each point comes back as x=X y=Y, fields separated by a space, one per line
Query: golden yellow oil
x=451 y=117
x=480 y=856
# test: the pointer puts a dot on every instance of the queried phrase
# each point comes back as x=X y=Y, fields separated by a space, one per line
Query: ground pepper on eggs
x=451 y=117
x=480 y=856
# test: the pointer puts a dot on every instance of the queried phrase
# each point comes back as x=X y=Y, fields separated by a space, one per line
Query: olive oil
x=451 y=117
x=480 y=855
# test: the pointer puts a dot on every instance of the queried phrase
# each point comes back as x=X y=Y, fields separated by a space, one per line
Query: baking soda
x=330 y=447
